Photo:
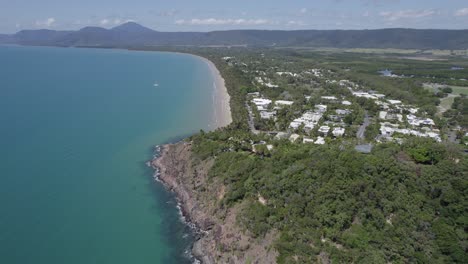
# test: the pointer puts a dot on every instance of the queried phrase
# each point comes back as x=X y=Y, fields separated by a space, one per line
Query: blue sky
x=206 y=15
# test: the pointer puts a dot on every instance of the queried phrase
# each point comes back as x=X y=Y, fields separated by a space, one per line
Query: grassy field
x=458 y=90
x=446 y=103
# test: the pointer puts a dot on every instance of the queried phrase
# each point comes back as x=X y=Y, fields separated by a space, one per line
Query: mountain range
x=133 y=34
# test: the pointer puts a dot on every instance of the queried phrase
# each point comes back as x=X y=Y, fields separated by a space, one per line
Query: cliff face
x=221 y=240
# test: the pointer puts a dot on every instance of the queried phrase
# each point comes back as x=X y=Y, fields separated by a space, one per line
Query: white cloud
x=217 y=22
x=393 y=16
x=462 y=12
x=114 y=21
x=49 y=22
x=295 y=23
x=303 y=10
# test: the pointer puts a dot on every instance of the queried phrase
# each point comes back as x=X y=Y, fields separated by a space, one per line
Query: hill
x=133 y=34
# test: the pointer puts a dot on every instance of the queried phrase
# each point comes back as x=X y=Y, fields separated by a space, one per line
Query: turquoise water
x=76 y=126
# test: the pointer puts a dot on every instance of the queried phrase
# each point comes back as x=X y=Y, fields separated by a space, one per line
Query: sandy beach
x=222 y=110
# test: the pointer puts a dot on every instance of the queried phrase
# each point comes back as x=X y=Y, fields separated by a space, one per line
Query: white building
x=267 y=114
x=342 y=111
x=307 y=140
x=270 y=85
x=320 y=141
x=254 y=94
x=294 y=137
x=338 y=131
x=394 y=102
x=281 y=135
x=365 y=95
x=329 y=98
x=380 y=96
x=283 y=102
x=321 y=108
x=324 y=129
x=345 y=102
x=387 y=130
x=261 y=102
x=309 y=119
x=383 y=115
x=288 y=73
x=416 y=121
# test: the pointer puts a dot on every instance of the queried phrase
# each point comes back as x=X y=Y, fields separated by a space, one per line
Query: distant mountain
x=37 y=37
x=4 y=38
x=133 y=34
x=134 y=28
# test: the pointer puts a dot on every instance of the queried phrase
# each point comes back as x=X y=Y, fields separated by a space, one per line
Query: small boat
x=155 y=84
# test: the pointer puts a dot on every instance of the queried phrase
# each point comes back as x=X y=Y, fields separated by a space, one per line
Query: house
x=270 y=85
x=294 y=137
x=383 y=105
x=416 y=121
x=283 y=102
x=259 y=80
x=309 y=119
x=321 y=108
x=338 y=131
x=254 y=94
x=329 y=98
x=287 y=73
x=383 y=115
x=324 y=130
x=394 y=102
x=267 y=114
x=342 y=112
x=320 y=141
x=296 y=123
x=261 y=102
x=307 y=140
x=380 y=96
x=365 y=95
x=346 y=103
x=281 y=135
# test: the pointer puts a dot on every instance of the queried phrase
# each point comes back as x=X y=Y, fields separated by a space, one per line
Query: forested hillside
x=132 y=34
x=402 y=203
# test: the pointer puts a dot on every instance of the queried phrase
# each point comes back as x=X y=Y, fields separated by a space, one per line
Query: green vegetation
x=402 y=203
x=458 y=115
x=399 y=204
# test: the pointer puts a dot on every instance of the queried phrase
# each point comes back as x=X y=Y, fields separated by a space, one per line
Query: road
x=362 y=129
x=251 y=120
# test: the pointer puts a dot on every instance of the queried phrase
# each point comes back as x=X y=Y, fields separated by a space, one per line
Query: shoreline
x=168 y=170
x=171 y=164
x=222 y=115
x=218 y=238
x=221 y=98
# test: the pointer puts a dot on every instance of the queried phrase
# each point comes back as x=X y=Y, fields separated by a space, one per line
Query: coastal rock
x=220 y=240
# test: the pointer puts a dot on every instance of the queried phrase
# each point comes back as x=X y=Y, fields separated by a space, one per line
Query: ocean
x=76 y=127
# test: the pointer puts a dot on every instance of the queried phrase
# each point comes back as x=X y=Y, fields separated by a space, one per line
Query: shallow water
x=76 y=127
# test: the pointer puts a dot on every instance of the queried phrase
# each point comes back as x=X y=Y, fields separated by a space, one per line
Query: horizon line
x=244 y=29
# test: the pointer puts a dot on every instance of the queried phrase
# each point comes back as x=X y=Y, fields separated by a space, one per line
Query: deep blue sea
x=76 y=127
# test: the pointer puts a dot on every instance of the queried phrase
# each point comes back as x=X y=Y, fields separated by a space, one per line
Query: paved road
x=251 y=120
x=362 y=130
